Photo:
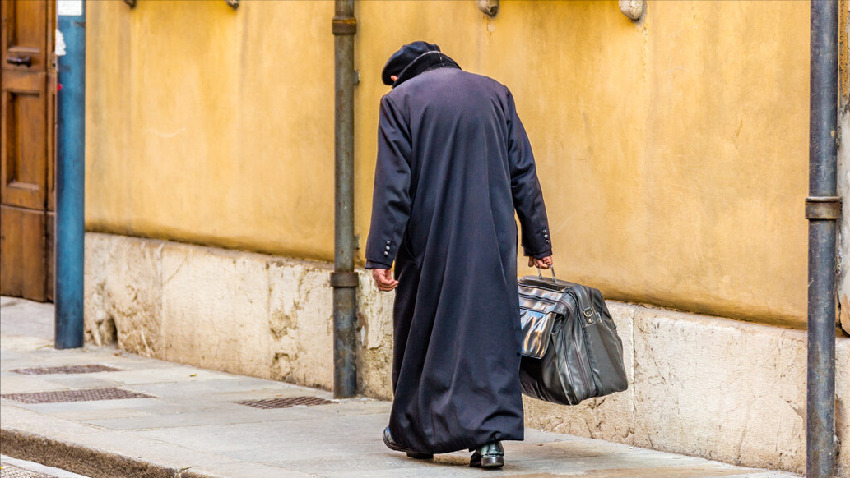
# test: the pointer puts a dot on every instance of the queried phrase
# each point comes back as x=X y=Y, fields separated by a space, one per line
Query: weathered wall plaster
x=843 y=290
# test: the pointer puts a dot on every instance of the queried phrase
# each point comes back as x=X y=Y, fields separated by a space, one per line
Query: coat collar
x=425 y=62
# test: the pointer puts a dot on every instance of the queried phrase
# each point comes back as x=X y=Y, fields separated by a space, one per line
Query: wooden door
x=26 y=148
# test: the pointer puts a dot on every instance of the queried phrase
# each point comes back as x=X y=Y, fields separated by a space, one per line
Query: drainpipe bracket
x=489 y=7
x=344 y=280
x=344 y=25
x=633 y=9
x=823 y=208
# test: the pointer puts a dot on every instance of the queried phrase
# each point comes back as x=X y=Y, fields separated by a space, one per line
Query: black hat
x=404 y=57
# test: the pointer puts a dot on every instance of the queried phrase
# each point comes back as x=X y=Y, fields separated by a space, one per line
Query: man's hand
x=543 y=263
x=384 y=279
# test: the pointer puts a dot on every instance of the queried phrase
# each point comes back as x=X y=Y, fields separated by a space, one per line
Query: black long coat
x=453 y=164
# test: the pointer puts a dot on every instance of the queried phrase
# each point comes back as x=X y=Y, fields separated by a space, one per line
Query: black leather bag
x=571 y=350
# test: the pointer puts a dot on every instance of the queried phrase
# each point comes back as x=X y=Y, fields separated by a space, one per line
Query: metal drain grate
x=285 y=402
x=85 y=395
x=65 y=370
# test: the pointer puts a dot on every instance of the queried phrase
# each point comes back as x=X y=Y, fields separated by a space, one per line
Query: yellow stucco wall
x=211 y=125
x=672 y=152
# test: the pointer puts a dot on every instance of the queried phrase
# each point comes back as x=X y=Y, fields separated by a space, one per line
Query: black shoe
x=491 y=455
x=419 y=456
x=392 y=445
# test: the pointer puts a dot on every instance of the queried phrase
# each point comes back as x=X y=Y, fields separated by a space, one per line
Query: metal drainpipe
x=344 y=280
x=71 y=181
x=823 y=209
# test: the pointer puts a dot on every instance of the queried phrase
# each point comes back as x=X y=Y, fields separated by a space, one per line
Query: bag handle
x=582 y=298
x=552 y=269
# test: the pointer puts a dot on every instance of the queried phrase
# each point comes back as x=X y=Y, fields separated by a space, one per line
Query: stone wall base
x=705 y=386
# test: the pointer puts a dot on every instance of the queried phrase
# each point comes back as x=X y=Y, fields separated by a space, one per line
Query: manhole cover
x=285 y=402
x=65 y=370
x=85 y=395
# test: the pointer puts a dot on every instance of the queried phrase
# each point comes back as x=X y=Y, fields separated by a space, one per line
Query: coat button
x=389 y=242
x=388 y=247
x=386 y=253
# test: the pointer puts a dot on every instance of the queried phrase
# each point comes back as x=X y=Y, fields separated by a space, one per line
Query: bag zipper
x=583 y=365
x=565 y=303
x=582 y=372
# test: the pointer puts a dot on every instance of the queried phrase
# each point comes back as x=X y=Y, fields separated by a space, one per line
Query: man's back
x=448 y=107
x=458 y=131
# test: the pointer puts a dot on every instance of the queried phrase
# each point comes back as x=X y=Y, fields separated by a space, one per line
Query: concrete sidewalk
x=176 y=420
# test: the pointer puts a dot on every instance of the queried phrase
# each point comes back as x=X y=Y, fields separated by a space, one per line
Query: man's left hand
x=384 y=279
x=542 y=263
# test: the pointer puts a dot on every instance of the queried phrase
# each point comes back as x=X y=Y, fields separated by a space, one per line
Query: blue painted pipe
x=71 y=182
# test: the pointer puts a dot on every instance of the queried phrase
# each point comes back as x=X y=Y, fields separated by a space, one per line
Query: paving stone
x=195 y=418
x=14 y=383
x=82 y=381
x=166 y=375
x=254 y=470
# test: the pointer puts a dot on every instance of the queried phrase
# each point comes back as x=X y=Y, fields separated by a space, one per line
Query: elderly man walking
x=454 y=163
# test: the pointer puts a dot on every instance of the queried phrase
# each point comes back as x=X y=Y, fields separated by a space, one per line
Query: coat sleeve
x=391 y=197
x=525 y=188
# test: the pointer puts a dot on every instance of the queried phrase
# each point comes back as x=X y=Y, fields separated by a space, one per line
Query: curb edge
x=83 y=460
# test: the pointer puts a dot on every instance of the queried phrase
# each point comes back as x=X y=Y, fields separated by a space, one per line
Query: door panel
x=24 y=140
x=23 y=247
x=25 y=32
x=27 y=96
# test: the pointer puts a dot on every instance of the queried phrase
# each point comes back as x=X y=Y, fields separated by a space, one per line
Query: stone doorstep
x=84 y=460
